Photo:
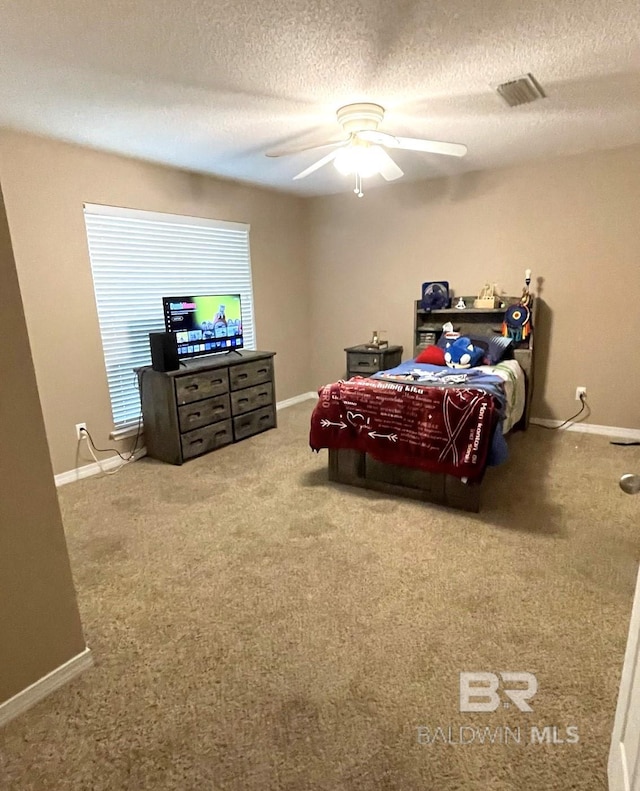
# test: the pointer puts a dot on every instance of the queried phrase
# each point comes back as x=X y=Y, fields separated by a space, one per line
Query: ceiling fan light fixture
x=364 y=152
x=362 y=159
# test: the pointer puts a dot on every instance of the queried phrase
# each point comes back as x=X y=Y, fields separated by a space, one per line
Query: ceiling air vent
x=521 y=91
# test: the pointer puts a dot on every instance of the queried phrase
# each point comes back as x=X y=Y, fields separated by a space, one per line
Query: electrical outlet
x=80 y=434
x=581 y=392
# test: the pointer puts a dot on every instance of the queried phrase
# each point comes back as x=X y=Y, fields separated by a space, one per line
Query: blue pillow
x=499 y=348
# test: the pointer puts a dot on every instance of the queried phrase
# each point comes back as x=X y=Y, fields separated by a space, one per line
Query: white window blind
x=138 y=257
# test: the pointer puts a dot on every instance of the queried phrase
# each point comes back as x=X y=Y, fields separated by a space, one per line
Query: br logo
x=483 y=688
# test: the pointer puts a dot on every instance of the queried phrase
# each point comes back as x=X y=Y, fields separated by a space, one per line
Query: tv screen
x=204 y=324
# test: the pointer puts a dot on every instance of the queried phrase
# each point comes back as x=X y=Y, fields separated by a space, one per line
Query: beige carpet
x=255 y=627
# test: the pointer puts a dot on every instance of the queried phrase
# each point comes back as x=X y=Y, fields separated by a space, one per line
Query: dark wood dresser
x=207 y=404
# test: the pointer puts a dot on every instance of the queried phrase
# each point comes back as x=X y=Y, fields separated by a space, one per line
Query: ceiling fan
x=363 y=152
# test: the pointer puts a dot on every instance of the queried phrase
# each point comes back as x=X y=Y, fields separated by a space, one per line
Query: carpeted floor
x=257 y=628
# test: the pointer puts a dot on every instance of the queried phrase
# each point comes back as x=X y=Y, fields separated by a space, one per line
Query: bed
x=424 y=431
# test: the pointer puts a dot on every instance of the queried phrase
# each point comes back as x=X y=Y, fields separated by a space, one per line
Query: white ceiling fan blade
x=412 y=143
x=316 y=165
x=284 y=152
x=387 y=167
x=431 y=146
x=377 y=138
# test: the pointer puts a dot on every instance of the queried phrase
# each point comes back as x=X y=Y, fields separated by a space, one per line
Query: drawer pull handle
x=216 y=381
x=262 y=370
x=265 y=417
x=221 y=433
x=196 y=441
x=191 y=387
x=219 y=408
x=243 y=400
x=242 y=376
x=194 y=415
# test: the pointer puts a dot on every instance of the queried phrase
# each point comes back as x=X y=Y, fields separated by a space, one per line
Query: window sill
x=126 y=432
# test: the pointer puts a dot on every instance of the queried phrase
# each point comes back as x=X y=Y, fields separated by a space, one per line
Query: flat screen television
x=204 y=324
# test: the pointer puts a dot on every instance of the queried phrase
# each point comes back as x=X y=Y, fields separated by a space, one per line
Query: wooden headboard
x=428 y=327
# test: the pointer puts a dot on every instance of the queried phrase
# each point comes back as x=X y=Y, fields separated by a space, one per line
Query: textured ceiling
x=211 y=85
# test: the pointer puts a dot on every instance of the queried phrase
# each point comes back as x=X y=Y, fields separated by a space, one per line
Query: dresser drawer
x=363 y=363
x=251 y=398
x=196 y=387
x=205 y=439
x=250 y=374
x=253 y=422
x=201 y=413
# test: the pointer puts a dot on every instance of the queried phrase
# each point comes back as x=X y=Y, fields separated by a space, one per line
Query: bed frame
x=356 y=468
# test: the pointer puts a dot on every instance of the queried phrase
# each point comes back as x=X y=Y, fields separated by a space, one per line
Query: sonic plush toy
x=461 y=353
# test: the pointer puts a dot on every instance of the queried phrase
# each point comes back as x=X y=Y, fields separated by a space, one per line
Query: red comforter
x=439 y=429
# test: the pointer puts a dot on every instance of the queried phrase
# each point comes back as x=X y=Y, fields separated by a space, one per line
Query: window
x=138 y=257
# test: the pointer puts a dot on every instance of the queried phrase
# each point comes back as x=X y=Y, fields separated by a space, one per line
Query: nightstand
x=362 y=361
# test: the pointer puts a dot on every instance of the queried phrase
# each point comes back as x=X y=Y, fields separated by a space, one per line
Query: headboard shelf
x=428 y=323
x=485 y=311
x=427 y=329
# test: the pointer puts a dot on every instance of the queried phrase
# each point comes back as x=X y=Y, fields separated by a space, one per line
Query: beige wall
x=573 y=221
x=45 y=184
x=338 y=267
x=39 y=622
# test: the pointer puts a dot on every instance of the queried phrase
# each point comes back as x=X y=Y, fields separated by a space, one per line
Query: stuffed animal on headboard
x=461 y=353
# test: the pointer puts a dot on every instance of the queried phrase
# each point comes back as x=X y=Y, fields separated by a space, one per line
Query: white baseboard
x=295 y=400
x=87 y=470
x=45 y=686
x=589 y=428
